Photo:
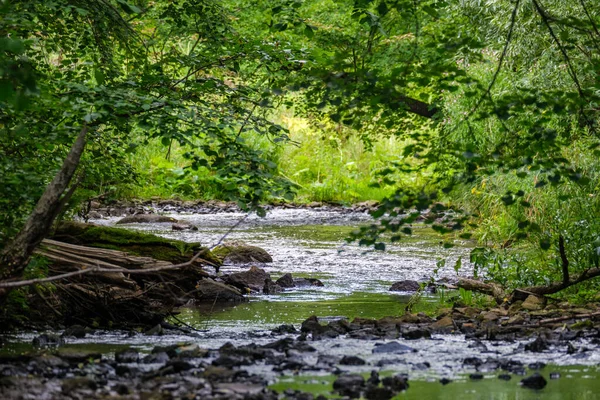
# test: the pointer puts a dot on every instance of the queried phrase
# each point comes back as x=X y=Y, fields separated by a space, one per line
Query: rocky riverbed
x=350 y=337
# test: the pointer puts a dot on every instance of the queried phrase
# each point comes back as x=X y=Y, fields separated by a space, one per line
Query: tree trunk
x=15 y=256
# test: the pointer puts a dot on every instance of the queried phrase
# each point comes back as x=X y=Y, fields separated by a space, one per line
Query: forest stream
x=310 y=244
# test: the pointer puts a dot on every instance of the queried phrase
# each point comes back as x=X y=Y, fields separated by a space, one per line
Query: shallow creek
x=310 y=243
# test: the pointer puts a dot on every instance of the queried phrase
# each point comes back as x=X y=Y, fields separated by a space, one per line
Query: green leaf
x=129 y=8
x=545 y=244
x=308 y=31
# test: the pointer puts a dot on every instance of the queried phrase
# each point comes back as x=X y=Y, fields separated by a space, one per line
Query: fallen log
x=492 y=289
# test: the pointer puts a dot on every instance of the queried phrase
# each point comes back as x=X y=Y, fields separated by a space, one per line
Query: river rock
x=47 y=340
x=352 y=360
x=397 y=383
x=378 y=393
x=127 y=356
x=535 y=381
x=72 y=384
x=286 y=281
x=534 y=303
x=304 y=282
x=76 y=355
x=311 y=325
x=146 y=219
x=416 y=333
x=537 y=346
x=284 y=329
x=349 y=385
x=392 y=348
x=209 y=290
x=271 y=287
x=76 y=331
x=242 y=254
x=183 y=226
x=444 y=325
x=254 y=279
x=405 y=286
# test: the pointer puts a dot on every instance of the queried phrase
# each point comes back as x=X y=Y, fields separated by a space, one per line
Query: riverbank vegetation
x=483 y=117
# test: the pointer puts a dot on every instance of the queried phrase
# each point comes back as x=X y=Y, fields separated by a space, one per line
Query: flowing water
x=310 y=243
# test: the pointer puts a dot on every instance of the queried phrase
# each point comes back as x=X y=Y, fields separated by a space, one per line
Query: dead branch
x=558 y=286
x=568 y=317
x=86 y=270
x=492 y=289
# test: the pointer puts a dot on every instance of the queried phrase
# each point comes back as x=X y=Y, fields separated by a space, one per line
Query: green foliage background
x=483 y=113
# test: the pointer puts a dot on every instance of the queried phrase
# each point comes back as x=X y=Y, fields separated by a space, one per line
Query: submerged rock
x=271 y=287
x=535 y=381
x=405 y=286
x=349 y=385
x=352 y=360
x=183 y=226
x=47 y=340
x=146 y=219
x=537 y=346
x=392 y=348
x=397 y=383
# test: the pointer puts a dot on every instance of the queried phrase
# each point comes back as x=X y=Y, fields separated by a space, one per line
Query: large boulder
x=253 y=279
x=242 y=254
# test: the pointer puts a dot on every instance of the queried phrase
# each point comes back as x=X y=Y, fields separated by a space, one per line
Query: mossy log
x=136 y=243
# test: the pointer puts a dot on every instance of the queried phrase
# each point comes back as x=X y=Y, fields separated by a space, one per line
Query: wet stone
x=76 y=331
x=473 y=361
x=488 y=366
x=392 y=348
x=349 y=385
x=374 y=378
x=397 y=383
x=416 y=333
x=378 y=393
x=156 y=358
x=47 y=340
x=537 y=365
x=535 y=381
x=422 y=366
x=445 y=381
x=405 y=286
x=537 y=346
x=127 y=356
x=286 y=281
x=352 y=360
x=284 y=329
x=73 y=384
x=77 y=356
